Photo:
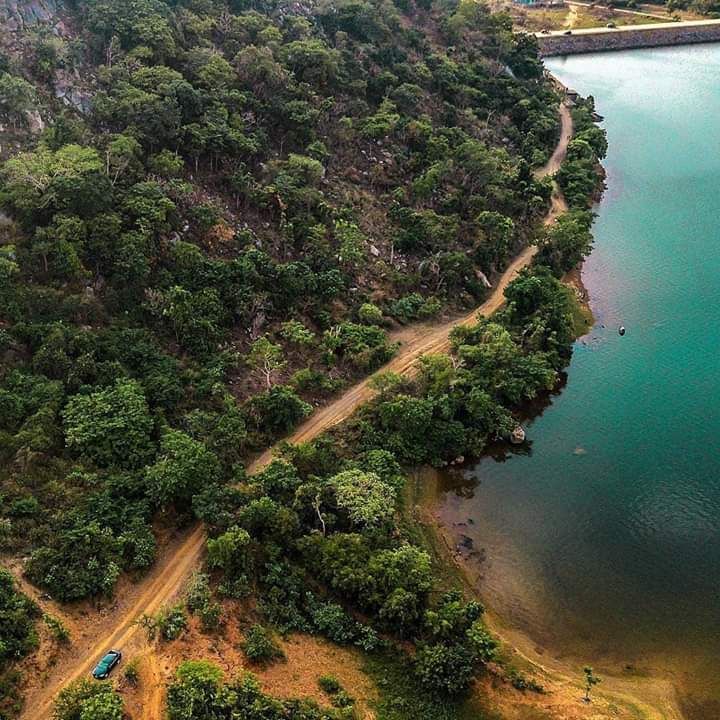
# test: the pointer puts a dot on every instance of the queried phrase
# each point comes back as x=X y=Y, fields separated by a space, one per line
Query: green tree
x=88 y=700
x=366 y=499
x=17 y=621
x=194 y=693
x=184 y=467
x=352 y=243
x=267 y=359
x=82 y=560
x=590 y=681
x=16 y=98
x=278 y=410
x=444 y=668
x=567 y=242
x=197 y=318
x=111 y=426
x=232 y=552
x=71 y=178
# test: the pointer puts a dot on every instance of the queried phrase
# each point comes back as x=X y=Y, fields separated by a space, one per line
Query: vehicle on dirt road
x=110 y=660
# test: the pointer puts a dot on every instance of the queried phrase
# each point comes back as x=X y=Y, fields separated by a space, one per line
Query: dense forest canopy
x=253 y=193
x=215 y=212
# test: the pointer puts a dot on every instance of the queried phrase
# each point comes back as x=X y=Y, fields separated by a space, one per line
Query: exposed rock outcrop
x=517 y=436
x=20 y=15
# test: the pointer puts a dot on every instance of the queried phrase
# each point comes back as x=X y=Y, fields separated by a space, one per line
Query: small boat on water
x=517 y=436
x=621 y=330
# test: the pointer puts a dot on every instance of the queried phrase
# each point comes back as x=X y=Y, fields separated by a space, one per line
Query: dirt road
x=555 y=161
x=430 y=339
x=162 y=585
x=118 y=628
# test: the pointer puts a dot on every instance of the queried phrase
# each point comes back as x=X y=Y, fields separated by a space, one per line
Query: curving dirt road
x=431 y=339
x=163 y=584
x=556 y=159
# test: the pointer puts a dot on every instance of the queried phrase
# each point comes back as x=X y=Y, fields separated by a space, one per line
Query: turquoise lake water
x=604 y=543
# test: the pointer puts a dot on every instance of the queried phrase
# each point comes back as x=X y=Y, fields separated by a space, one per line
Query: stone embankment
x=629 y=37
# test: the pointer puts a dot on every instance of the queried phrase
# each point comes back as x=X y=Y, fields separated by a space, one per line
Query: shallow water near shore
x=603 y=544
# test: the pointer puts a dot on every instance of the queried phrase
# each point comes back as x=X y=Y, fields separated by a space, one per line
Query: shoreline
x=585 y=317
x=637 y=697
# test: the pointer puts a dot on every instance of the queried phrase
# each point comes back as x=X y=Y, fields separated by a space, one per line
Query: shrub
x=57 y=628
x=331 y=620
x=211 y=617
x=342 y=700
x=364 y=346
x=370 y=314
x=199 y=601
x=259 y=645
x=308 y=380
x=521 y=682
x=171 y=623
x=415 y=307
x=329 y=684
x=198 y=593
x=295 y=332
x=132 y=672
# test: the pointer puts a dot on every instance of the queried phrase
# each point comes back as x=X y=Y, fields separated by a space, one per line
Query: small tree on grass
x=57 y=628
x=132 y=672
x=590 y=681
x=260 y=646
x=266 y=358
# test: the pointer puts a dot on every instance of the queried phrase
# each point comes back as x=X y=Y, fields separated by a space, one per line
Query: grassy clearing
x=578 y=17
x=582 y=316
x=401 y=698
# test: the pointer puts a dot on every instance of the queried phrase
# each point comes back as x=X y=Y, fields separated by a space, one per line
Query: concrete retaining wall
x=627 y=38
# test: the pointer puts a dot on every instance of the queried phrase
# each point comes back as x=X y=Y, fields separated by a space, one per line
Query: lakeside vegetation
x=216 y=237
